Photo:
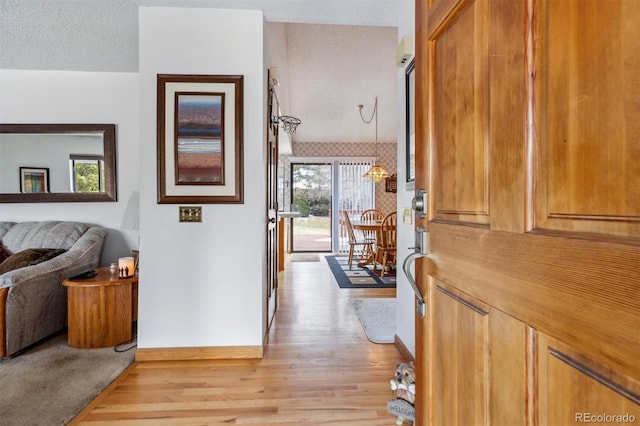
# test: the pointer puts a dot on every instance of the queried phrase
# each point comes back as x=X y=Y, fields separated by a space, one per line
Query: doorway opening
x=320 y=192
x=311 y=196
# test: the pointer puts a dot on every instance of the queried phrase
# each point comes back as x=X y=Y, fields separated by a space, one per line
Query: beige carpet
x=52 y=382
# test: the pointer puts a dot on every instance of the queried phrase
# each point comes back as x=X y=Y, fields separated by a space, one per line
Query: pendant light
x=375 y=173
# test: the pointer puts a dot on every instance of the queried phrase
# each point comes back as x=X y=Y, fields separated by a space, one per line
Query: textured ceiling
x=332 y=68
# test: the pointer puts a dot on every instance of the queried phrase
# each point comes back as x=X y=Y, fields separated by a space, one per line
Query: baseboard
x=199 y=353
x=402 y=348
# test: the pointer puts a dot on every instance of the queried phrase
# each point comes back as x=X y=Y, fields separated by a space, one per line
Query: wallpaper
x=385 y=201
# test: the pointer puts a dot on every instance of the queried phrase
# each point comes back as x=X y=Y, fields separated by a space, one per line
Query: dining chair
x=386 y=244
x=355 y=241
x=371 y=215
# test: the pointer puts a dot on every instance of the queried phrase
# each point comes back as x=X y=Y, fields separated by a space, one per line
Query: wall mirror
x=41 y=163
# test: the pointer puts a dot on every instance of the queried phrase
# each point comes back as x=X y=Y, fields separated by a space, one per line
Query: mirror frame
x=109 y=139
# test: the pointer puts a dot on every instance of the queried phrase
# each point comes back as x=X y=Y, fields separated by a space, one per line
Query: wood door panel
x=511 y=363
x=460 y=351
x=481 y=361
x=528 y=143
x=507 y=107
x=574 y=389
x=588 y=171
x=567 y=288
x=459 y=116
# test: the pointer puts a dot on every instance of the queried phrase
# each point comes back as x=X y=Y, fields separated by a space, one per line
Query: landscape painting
x=199 y=139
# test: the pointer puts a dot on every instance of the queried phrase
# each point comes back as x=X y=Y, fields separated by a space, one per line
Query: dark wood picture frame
x=108 y=133
x=227 y=119
x=410 y=84
x=39 y=185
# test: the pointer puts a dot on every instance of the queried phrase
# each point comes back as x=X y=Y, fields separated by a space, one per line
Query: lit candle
x=125 y=265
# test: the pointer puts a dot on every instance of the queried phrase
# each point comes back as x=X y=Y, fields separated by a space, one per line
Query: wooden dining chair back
x=371 y=215
x=355 y=240
x=386 y=244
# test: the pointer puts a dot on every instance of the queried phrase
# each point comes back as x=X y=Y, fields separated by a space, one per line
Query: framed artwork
x=410 y=86
x=34 y=180
x=391 y=184
x=200 y=139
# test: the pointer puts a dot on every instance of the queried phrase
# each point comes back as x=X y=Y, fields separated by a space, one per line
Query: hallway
x=318 y=368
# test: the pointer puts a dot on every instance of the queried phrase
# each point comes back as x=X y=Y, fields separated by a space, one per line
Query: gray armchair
x=33 y=302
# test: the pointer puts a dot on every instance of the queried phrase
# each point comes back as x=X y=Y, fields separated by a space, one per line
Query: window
x=87 y=173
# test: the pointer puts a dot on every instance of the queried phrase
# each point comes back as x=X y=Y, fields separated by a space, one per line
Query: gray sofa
x=33 y=302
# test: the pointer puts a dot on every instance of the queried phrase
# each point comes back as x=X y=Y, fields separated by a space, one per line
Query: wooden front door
x=528 y=144
x=272 y=206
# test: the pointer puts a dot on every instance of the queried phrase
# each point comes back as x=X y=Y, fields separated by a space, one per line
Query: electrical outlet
x=190 y=214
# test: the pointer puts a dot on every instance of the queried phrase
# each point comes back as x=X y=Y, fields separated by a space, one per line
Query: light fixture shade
x=131 y=217
x=376 y=173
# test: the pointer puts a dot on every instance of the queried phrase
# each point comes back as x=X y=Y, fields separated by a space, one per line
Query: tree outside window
x=87 y=173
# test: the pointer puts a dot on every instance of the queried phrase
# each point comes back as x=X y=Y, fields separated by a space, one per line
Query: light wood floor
x=319 y=368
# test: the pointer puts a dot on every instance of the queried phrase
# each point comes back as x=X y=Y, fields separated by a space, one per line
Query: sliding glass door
x=320 y=192
x=311 y=197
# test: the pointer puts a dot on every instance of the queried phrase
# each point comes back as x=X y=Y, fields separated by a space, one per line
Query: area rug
x=52 y=382
x=378 y=318
x=357 y=277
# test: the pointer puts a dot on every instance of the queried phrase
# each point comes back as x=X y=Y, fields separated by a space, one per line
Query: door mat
x=357 y=277
x=378 y=318
x=304 y=257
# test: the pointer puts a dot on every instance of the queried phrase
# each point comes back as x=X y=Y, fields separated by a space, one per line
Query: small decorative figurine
x=403 y=386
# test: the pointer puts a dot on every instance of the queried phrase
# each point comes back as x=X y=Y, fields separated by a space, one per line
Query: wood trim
x=455 y=295
x=532 y=377
x=422 y=52
x=405 y=354
x=199 y=353
x=4 y=292
x=600 y=378
x=442 y=12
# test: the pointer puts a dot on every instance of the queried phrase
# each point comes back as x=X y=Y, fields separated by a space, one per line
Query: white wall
x=201 y=284
x=276 y=57
x=405 y=317
x=79 y=97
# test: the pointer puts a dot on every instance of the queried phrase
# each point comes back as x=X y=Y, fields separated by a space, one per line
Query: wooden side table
x=100 y=309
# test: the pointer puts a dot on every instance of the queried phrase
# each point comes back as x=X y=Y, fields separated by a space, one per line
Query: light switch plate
x=407 y=215
x=190 y=214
